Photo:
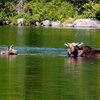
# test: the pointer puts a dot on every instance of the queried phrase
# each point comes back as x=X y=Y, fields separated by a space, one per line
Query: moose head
x=12 y=51
x=73 y=48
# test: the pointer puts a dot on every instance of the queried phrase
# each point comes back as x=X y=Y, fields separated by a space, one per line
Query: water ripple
x=39 y=51
x=38 y=48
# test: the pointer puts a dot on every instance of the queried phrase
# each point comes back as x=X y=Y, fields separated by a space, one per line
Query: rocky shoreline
x=82 y=23
x=78 y=23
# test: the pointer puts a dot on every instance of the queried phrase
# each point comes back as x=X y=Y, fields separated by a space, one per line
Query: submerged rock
x=86 y=23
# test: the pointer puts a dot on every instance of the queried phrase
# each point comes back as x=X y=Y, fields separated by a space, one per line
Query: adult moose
x=9 y=51
x=85 y=51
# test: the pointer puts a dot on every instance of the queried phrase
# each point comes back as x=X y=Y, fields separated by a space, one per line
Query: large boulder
x=86 y=23
x=46 y=23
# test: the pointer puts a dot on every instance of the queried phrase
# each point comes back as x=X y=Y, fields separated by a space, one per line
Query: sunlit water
x=42 y=70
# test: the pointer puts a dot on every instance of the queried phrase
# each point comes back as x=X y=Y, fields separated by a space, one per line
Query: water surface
x=42 y=70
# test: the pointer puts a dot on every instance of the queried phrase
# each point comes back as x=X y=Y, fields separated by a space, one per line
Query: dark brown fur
x=88 y=52
x=85 y=51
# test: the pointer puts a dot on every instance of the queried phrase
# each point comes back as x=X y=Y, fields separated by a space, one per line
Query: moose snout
x=68 y=52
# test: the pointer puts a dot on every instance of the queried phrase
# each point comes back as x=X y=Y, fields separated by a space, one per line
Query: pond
x=42 y=70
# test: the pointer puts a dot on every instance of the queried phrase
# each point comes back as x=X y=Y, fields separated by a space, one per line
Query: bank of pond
x=82 y=23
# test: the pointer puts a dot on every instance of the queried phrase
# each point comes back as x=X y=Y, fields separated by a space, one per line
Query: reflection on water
x=42 y=70
x=84 y=76
x=49 y=77
x=8 y=57
x=73 y=61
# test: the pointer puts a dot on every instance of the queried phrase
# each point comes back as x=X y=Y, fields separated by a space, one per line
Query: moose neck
x=75 y=53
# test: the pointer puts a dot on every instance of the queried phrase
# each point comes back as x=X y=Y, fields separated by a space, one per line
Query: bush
x=98 y=14
x=67 y=10
x=91 y=10
x=37 y=11
x=59 y=11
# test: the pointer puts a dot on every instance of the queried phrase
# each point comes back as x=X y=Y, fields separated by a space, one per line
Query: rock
x=86 y=23
x=64 y=24
x=37 y=24
x=20 y=21
x=46 y=23
x=69 y=25
x=55 y=24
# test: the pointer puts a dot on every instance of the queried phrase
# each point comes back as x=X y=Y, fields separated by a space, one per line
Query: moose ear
x=80 y=44
x=67 y=44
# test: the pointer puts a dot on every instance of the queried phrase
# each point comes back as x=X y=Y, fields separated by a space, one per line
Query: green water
x=42 y=70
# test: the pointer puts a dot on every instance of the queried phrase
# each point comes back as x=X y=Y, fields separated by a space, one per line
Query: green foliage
x=97 y=11
x=97 y=14
x=51 y=12
x=88 y=10
x=91 y=10
x=67 y=10
x=38 y=10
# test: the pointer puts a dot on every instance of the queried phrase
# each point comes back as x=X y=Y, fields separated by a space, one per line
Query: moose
x=76 y=50
x=9 y=51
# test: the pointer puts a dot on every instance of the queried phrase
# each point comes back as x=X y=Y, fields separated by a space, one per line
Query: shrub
x=91 y=10
x=33 y=11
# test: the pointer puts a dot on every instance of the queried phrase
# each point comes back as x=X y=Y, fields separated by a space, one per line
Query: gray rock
x=37 y=24
x=64 y=24
x=55 y=24
x=46 y=23
x=86 y=23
